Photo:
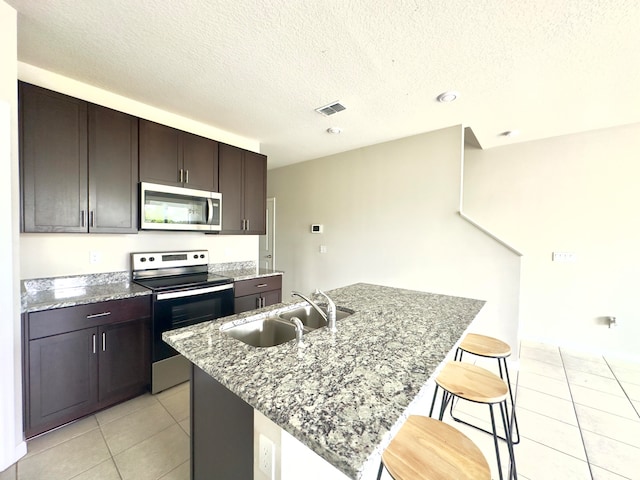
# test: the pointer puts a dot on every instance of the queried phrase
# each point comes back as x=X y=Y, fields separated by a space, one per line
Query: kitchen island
x=344 y=395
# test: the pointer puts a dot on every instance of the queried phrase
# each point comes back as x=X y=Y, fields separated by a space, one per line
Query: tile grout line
x=110 y=451
x=623 y=389
x=586 y=454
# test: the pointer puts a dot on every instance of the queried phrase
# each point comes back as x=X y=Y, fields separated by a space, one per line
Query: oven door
x=181 y=308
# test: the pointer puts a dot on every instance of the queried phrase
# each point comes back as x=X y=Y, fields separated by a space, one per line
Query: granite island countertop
x=343 y=395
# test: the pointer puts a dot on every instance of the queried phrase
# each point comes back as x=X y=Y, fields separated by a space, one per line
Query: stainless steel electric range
x=184 y=293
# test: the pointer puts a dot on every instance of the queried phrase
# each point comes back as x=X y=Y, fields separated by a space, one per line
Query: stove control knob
x=202 y=255
x=143 y=259
x=195 y=256
x=151 y=259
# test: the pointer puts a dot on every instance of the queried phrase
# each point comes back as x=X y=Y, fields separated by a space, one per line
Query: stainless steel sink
x=266 y=332
x=310 y=317
x=274 y=330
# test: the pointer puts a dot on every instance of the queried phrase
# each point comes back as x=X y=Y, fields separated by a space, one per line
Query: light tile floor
x=578 y=415
x=144 y=438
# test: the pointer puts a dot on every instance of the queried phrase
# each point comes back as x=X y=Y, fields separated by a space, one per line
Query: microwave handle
x=210 y=207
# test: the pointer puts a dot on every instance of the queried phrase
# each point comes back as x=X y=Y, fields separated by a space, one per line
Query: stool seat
x=484 y=346
x=472 y=383
x=427 y=449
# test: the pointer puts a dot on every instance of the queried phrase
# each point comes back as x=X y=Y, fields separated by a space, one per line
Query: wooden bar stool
x=490 y=347
x=427 y=449
x=476 y=384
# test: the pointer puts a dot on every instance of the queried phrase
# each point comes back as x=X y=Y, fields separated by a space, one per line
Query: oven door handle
x=191 y=293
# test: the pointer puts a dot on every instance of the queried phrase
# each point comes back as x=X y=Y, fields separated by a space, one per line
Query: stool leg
x=380 y=470
x=514 y=421
x=495 y=440
x=433 y=402
x=507 y=428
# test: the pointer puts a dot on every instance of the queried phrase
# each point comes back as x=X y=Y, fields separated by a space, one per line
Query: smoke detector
x=330 y=109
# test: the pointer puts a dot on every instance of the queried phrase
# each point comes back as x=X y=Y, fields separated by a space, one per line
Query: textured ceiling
x=260 y=68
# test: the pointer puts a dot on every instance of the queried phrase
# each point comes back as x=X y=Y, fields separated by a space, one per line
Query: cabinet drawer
x=257 y=285
x=68 y=319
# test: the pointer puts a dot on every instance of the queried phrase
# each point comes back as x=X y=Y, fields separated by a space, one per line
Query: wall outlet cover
x=266 y=457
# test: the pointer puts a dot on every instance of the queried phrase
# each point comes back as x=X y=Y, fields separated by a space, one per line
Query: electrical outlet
x=266 y=457
x=94 y=257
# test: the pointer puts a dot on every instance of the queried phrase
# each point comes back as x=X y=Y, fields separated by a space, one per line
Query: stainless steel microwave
x=163 y=207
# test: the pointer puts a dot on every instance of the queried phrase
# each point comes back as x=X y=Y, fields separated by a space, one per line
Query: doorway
x=266 y=255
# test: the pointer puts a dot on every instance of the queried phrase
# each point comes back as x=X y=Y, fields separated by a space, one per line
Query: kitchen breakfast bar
x=343 y=395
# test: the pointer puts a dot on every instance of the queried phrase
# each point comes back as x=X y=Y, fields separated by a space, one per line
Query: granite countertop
x=57 y=292
x=247 y=273
x=343 y=395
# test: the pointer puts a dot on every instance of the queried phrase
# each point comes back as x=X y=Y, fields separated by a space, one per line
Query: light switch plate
x=563 y=257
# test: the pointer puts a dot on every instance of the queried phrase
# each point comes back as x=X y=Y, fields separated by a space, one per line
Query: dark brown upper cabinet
x=79 y=165
x=173 y=157
x=243 y=184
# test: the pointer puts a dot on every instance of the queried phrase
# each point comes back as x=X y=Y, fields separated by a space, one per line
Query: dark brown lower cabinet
x=72 y=371
x=257 y=293
x=221 y=431
x=62 y=378
x=124 y=361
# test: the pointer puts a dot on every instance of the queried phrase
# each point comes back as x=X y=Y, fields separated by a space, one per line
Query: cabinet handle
x=258 y=302
x=104 y=341
x=247 y=225
x=96 y=315
x=181 y=175
x=261 y=285
x=186 y=176
x=92 y=219
x=82 y=218
x=93 y=339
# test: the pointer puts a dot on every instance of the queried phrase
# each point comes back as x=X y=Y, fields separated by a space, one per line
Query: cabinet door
x=113 y=171
x=53 y=148
x=200 y=162
x=124 y=367
x=246 y=303
x=255 y=193
x=160 y=159
x=62 y=383
x=230 y=161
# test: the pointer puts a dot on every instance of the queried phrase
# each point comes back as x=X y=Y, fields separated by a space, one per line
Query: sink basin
x=274 y=330
x=266 y=332
x=310 y=317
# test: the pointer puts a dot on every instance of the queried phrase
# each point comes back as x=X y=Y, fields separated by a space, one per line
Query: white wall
x=390 y=217
x=576 y=193
x=53 y=255
x=11 y=443
x=48 y=255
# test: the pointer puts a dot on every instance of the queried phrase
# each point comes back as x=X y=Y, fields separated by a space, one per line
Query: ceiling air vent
x=330 y=109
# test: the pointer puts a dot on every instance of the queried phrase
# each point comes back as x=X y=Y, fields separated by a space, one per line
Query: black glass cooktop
x=183 y=281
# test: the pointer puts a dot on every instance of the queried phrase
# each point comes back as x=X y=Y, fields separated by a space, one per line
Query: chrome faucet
x=299 y=330
x=330 y=316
